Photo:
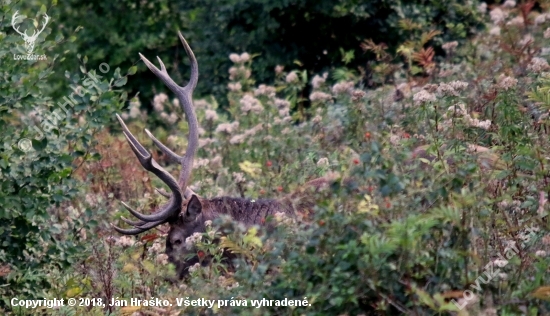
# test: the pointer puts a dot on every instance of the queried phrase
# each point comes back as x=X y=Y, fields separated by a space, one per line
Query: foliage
x=41 y=138
x=438 y=194
x=317 y=35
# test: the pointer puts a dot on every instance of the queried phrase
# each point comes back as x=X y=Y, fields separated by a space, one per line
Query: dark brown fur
x=249 y=212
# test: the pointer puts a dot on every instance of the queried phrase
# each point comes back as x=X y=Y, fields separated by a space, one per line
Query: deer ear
x=194 y=207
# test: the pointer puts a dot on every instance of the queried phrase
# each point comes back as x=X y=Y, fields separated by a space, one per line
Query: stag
x=186 y=212
x=29 y=40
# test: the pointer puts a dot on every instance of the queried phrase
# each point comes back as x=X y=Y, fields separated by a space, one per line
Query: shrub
x=318 y=35
x=41 y=138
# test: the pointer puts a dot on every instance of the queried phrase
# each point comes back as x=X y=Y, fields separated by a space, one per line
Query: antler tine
x=146 y=160
x=132 y=231
x=46 y=18
x=194 y=65
x=139 y=227
x=188 y=192
x=135 y=224
x=185 y=96
x=162 y=192
x=13 y=20
x=167 y=151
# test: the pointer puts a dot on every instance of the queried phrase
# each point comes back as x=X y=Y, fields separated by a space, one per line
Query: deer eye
x=177 y=242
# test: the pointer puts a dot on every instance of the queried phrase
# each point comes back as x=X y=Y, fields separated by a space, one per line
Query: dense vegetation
x=316 y=35
x=432 y=131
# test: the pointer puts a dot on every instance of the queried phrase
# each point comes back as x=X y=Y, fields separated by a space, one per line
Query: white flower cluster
x=498 y=15
x=446 y=90
x=243 y=58
x=449 y=46
x=509 y=4
x=291 y=77
x=318 y=81
x=125 y=241
x=158 y=102
x=227 y=128
x=542 y=18
x=317 y=119
x=517 y=21
x=279 y=69
x=251 y=104
x=201 y=162
x=170 y=119
x=162 y=259
x=422 y=97
x=192 y=240
x=156 y=248
x=210 y=115
x=538 y=65
x=342 y=87
x=216 y=162
x=526 y=40
x=460 y=110
x=282 y=218
x=458 y=85
x=239 y=177
x=357 y=95
x=206 y=141
x=134 y=109
x=194 y=267
x=506 y=82
x=482 y=7
x=283 y=106
x=395 y=139
x=227 y=283
x=323 y=162
x=237 y=139
x=234 y=72
x=234 y=86
x=320 y=96
x=266 y=90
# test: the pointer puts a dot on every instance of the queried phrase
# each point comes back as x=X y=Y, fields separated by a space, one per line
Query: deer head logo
x=29 y=40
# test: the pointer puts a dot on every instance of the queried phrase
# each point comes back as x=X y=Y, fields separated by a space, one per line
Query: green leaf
x=40 y=144
x=132 y=70
x=121 y=82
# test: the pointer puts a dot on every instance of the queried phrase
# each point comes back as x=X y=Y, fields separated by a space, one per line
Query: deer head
x=29 y=40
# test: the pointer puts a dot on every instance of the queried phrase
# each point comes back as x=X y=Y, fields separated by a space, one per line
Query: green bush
x=318 y=35
x=437 y=205
x=43 y=140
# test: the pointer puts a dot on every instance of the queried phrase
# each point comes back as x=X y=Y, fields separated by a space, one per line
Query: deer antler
x=34 y=34
x=179 y=188
x=13 y=20
x=46 y=20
